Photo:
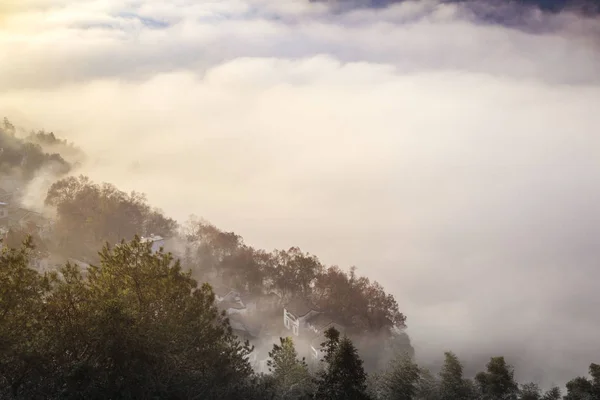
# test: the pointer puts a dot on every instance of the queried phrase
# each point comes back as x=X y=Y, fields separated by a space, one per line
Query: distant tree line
x=137 y=326
x=24 y=158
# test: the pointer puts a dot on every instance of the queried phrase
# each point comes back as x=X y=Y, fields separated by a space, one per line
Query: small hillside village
x=261 y=320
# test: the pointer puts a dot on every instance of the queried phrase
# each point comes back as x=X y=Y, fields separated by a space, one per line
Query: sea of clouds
x=452 y=157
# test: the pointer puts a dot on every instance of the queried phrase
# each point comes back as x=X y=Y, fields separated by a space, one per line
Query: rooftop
x=299 y=307
x=241 y=323
x=151 y=238
x=320 y=321
x=236 y=305
x=221 y=290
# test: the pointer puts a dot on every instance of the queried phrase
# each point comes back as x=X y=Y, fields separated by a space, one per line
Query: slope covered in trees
x=141 y=324
x=24 y=158
x=136 y=326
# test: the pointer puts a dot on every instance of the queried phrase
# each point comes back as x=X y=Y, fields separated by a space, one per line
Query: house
x=315 y=347
x=23 y=218
x=250 y=329
x=229 y=300
x=261 y=303
x=296 y=312
x=268 y=302
x=232 y=307
x=223 y=293
x=317 y=325
x=158 y=242
x=245 y=327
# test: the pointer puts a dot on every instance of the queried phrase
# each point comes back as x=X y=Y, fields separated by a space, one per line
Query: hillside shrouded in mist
x=451 y=158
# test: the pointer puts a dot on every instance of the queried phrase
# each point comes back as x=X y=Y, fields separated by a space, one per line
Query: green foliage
x=497 y=383
x=530 y=391
x=582 y=388
x=89 y=214
x=343 y=376
x=291 y=377
x=356 y=300
x=428 y=386
x=22 y=318
x=401 y=380
x=24 y=158
x=358 y=303
x=452 y=383
x=135 y=326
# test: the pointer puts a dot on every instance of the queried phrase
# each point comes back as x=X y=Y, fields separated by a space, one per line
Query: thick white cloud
x=454 y=161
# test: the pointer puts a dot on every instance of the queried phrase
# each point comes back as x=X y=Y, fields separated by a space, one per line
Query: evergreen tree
x=428 y=386
x=343 y=377
x=497 y=383
x=23 y=340
x=452 y=383
x=552 y=394
x=133 y=327
x=530 y=391
x=402 y=379
x=291 y=377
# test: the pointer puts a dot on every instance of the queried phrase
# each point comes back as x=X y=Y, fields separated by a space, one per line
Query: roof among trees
x=299 y=307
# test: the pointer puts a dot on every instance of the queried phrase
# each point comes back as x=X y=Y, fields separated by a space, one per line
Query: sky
x=453 y=158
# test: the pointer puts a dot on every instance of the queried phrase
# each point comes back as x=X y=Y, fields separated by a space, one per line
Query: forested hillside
x=24 y=158
x=90 y=310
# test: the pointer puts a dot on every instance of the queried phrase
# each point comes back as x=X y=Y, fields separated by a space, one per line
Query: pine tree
x=291 y=377
x=552 y=394
x=530 y=391
x=497 y=383
x=402 y=379
x=452 y=384
x=344 y=377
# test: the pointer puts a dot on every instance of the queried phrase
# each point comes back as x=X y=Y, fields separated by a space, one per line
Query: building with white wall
x=295 y=313
x=158 y=242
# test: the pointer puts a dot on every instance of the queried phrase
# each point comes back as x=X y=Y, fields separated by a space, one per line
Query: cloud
x=454 y=161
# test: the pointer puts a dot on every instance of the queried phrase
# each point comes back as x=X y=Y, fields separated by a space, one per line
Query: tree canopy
x=24 y=158
x=134 y=326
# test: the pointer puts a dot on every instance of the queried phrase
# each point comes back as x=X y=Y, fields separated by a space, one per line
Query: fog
x=454 y=160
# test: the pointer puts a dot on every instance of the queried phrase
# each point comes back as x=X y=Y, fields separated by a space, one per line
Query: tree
x=530 y=391
x=291 y=376
x=357 y=301
x=402 y=379
x=330 y=345
x=22 y=337
x=294 y=272
x=343 y=377
x=428 y=386
x=579 y=388
x=497 y=383
x=89 y=215
x=552 y=394
x=595 y=373
x=582 y=388
x=452 y=383
x=134 y=326
x=23 y=159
